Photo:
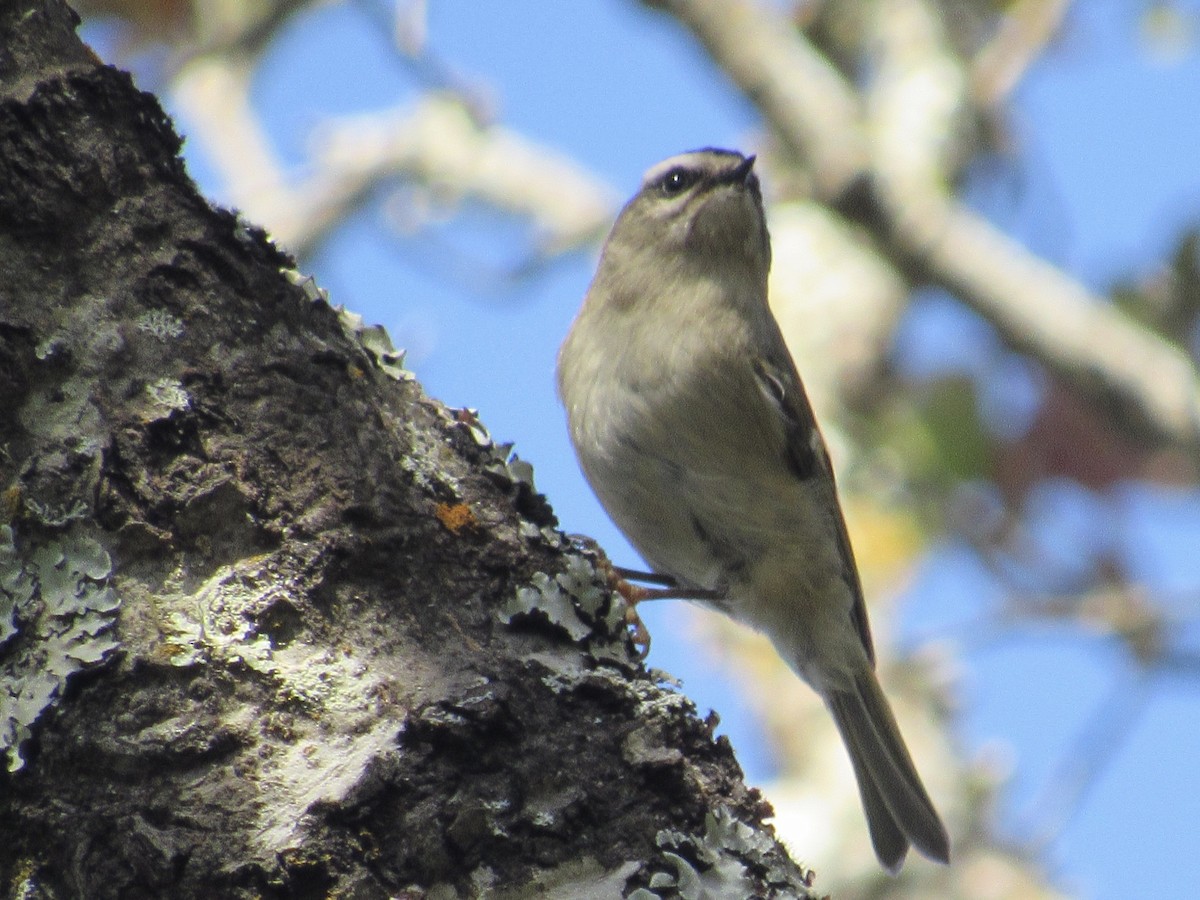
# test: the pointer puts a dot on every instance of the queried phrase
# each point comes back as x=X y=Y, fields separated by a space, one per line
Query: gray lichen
x=221 y=625
x=160 y=324
x=167 y=395
x=546 y=596
x=50 y=348
x=427 y=464
x=378 y=343
x=502 y=462
x=57 y=608
x=57 y=516
x=333 y=695
x=313 y=291
x=583 y=879
x=731 y=859
x=372 y=338
x=578 y=601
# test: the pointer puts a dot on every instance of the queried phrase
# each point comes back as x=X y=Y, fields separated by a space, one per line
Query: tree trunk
x=273 y=622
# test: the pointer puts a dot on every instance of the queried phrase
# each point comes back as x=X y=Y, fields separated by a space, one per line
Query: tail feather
x=891 y=846
x=898 y=809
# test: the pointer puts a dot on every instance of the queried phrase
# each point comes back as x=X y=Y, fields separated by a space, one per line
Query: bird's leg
x=670 y=590
x=632 y=594
x=621 y=580
x=651 y=577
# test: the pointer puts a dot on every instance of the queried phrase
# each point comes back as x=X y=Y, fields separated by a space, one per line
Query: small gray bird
x=692 y=426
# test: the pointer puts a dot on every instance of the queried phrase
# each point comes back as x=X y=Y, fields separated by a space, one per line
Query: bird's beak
x=742 y=173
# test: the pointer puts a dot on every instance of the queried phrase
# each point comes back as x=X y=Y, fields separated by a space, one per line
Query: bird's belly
x=756 y=532
x=652 y=501
x=693 y=519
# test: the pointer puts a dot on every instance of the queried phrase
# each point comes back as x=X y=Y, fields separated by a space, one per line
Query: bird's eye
x=677 y=181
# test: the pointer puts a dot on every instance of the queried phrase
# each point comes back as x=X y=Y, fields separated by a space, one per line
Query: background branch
x=1140 y=380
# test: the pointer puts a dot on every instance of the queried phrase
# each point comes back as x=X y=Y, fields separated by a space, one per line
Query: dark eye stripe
x=677 y=181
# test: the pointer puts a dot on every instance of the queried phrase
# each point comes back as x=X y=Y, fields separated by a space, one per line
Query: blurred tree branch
x=1025 y=29
x=437 y=144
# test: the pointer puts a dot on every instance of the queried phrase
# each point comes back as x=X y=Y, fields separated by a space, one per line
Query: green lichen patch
x=545 y=597
x=372 y=338
x=313 y=291
x=57 y=609
x=577 y=601
x=500 y=461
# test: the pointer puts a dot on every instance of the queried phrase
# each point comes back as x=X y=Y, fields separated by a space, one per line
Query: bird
x=691 y=424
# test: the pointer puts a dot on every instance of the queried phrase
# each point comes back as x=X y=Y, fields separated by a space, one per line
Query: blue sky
x=1107 y=174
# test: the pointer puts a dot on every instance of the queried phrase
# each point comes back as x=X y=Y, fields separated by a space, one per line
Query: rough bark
x=272 y=621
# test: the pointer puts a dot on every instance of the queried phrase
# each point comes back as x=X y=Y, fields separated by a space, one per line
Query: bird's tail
x=899 y=811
